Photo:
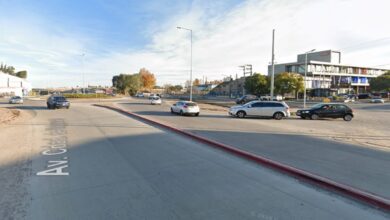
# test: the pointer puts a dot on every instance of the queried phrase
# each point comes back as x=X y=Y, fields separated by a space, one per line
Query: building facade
x=326 y=75
x=13 y=86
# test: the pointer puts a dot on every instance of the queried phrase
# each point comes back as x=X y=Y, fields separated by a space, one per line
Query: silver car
x=185 y=108
x=274 y=109
x=377 y=100
x=16 y=100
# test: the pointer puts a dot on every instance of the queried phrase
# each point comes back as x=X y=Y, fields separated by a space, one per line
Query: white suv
x=274 y=109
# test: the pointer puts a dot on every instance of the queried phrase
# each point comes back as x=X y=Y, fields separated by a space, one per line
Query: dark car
x=246 y=98
x=327 y=110
x=363 y=96
x=56 y=101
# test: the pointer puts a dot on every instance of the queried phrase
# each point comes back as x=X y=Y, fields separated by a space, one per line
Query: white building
x=13 y=86
x=326 y=74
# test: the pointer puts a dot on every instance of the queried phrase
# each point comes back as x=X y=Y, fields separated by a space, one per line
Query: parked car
x=57 y=101
x=377 y=100
x=139 y=95
x=364 y=96
x=156 y=101
x=274 y=109
x=245 y=99
x=152 y=96
x=185 y=108
x=327 y=110
x=268 y=98
x=16 y=100
x=349 y=99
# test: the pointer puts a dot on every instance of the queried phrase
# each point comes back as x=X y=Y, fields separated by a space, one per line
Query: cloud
x=242 y=35
x=225 y=35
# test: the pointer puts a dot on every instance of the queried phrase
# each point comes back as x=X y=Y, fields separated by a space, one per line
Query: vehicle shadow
x=168 y=113
x=26 y=107
x=135 y=103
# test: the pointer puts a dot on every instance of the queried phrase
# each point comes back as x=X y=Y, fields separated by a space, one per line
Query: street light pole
x=273 y=65
x=190 y=30
x=82 y=63
x=304 y=91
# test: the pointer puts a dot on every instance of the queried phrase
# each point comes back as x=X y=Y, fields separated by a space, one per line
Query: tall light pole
x=82 y=69
x=304 y=91
x=190 y=30
x=273 y=65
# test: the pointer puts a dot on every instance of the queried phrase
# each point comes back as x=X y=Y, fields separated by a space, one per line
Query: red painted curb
x=350 y=191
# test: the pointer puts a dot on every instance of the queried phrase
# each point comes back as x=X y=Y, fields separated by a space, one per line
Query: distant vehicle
x=377 y=100
x=57 y=101
x=156 y=101
x=385 y=94
x=268 y=98
x=152 y=96
x=16 y=100
x=349 y=99
x=185 y=108
x=246 y=98
x=139 y=95
x=274 y=109
x=364 y=96
x=327 y=110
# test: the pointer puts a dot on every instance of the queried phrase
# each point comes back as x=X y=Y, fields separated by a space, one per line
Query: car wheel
x=67 y=107
x=314 y=117
x=197 y=114
x=278 y=116
x=347 y=117
x=241 y=114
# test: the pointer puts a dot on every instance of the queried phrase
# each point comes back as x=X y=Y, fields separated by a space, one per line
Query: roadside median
x=328 y=184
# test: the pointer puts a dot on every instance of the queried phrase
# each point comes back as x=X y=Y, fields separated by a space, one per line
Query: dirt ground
x=8 y=115
x=15 y=163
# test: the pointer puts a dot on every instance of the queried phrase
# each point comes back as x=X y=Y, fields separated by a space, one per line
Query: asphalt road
x=305 y=144
x=93 y=163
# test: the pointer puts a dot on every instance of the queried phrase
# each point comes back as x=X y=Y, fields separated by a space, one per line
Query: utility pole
x=273 y=64
x=190 y=30
x=243 y=85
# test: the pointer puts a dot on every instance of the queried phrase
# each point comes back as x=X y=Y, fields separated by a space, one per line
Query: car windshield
x=59 y=99
x=190 y=104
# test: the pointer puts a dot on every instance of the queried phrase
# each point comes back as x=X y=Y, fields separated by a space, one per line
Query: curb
x=357 y=194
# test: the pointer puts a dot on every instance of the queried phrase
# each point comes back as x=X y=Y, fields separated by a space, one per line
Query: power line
x=365 y=42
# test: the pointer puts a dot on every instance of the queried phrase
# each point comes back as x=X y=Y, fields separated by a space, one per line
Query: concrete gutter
x=357 y=194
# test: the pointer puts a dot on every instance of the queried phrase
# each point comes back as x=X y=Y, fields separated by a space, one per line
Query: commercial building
x=13 y=86
x=326 y=75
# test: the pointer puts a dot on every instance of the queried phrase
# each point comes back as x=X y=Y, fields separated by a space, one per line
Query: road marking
x=57 y=145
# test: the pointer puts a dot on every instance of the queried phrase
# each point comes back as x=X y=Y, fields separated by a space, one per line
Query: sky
x=60 y=41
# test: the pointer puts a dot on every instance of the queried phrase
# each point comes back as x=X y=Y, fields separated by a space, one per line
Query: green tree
x=22 y=74
x=133 y=83
x=381 y=83
x=288 y=83
x=257 y=84
x=126 y=83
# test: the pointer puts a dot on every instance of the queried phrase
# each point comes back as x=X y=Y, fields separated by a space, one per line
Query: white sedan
x=16 y=100
x=156 y=101
x=185 y=108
